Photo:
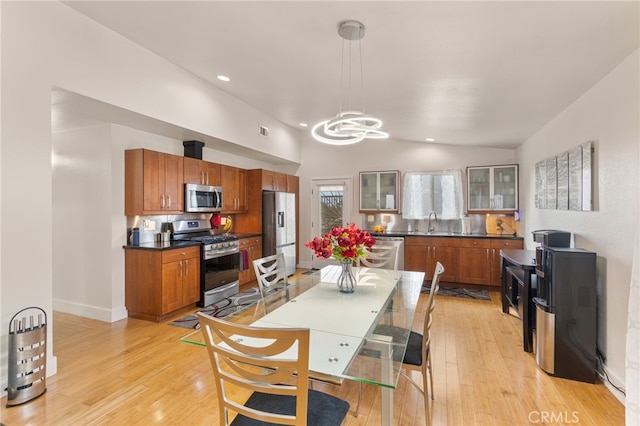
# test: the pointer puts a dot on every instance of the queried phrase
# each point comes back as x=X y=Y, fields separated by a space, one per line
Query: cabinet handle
x=169 y=198
x=434 y=252
x=180 y=275
x=487 y=255
x=162 y=201
x=186 y=262
x=202 y=181
x=207 y=178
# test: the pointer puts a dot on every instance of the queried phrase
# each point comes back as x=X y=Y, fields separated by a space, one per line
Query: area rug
x=464 y=293
x=221 y=308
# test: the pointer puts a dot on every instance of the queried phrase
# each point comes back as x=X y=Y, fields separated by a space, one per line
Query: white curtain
x=632 y=380
x=441 y=192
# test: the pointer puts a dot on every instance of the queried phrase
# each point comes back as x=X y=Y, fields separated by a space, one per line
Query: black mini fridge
x=566 y=314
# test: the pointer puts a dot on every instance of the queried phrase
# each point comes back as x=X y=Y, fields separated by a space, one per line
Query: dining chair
x=417 y=356
x=271 y=272
x=380 y=256
x=271 y=363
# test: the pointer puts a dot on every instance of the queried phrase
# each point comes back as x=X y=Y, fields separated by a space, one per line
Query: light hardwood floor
x=137 y=372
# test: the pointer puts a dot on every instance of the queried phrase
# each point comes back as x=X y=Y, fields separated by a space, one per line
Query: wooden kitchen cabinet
x=494 y=259
x=153 y=183
x=474 y=260
x=466 y=260
x=234 y=187
x=422 y=253
x=274 y=181
x=201 y=172
x=161 y=283
x=253 y=246
x=379 y=191
x=492 y=189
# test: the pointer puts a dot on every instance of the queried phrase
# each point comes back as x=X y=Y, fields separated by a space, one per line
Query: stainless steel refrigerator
x=279 y=226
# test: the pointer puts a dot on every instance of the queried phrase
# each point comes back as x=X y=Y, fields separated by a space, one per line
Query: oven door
x=220 y=271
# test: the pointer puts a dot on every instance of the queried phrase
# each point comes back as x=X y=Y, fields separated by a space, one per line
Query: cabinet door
x=211 y=172
x=192 y=171
x=242 y=205
x=293 y=185
x=474 y=265
x=229 y=179
x=369 y=191
x=153 y=178
x=415 y=258
x=496 y=267
x=190 y=281
x=505 y=188
x=388 y=190
x=173 y=185
x=171 y=286
x=448 y=256
x=479 y=188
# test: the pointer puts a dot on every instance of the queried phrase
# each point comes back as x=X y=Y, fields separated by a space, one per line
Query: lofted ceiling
x=464 y=73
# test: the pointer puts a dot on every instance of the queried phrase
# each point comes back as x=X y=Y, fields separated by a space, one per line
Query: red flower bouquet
x=342 y=243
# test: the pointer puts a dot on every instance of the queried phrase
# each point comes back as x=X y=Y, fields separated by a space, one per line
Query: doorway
x=331 y=207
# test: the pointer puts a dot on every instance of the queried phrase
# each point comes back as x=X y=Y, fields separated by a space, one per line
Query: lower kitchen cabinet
x=253 y=246
x=422 y=253
x=161 y=282
x=474 y=267
x=466 y=260
x=494 y=258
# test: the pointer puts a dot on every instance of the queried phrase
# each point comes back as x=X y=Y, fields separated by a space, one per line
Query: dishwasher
x=393 y=241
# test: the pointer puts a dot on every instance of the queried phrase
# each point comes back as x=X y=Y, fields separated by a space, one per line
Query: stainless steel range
x=220 y=259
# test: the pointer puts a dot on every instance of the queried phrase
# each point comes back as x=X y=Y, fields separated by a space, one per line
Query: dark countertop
x=161 y=246
x=443 y=234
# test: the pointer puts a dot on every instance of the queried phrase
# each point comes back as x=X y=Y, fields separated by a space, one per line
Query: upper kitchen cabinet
x=276 y=181
x=201 y=172
x=234 y=189
x=492 y=189
x=153 y=183
x=379 y=191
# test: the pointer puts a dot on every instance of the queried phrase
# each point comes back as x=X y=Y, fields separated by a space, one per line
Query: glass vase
x=346 y=280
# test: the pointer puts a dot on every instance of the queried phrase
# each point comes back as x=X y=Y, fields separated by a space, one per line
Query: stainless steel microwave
x=202 y=198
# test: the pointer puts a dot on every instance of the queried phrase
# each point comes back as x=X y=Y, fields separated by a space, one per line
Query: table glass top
x=346 y=340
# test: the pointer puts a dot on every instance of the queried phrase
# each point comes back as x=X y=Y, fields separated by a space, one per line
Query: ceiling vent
x=193 y=149
x=263 y=131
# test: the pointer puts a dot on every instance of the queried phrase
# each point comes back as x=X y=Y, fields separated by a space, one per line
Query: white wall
x=327 y=161
x=63 y=48
x=607 y=114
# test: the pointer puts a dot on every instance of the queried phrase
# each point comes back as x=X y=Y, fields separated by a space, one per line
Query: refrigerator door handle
x=280 y=219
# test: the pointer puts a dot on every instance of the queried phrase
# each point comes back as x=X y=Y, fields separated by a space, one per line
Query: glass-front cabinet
x=492 y=188
x=379 y=191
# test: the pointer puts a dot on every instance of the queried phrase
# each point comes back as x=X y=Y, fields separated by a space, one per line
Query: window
x=440 y=192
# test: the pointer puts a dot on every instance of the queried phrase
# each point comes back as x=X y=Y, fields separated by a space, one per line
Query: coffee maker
x=548 y=238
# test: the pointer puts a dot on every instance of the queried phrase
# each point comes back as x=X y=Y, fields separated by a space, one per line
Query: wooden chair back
x=431 y=303
x=267 y=360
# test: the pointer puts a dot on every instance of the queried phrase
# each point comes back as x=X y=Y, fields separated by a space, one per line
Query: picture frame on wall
x=565 y=181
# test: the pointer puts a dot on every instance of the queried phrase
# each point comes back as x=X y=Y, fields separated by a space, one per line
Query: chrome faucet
x=432 y=228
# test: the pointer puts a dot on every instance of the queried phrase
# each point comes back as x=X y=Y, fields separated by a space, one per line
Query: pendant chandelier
x=351 y=125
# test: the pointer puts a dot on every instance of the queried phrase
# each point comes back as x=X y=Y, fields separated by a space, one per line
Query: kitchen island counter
x=443 y=234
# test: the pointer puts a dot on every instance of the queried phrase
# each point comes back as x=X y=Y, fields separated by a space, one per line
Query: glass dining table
x=346 y=340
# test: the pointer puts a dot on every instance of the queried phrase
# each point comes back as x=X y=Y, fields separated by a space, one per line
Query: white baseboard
x=88 y=311
x=619 y=395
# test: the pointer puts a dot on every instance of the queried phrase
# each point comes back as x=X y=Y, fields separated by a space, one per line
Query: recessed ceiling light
x=224 y=78
x=430 y=140
x=303 y=124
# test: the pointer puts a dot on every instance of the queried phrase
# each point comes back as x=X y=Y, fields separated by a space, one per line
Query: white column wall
x=47 y=44
x=607 y=114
